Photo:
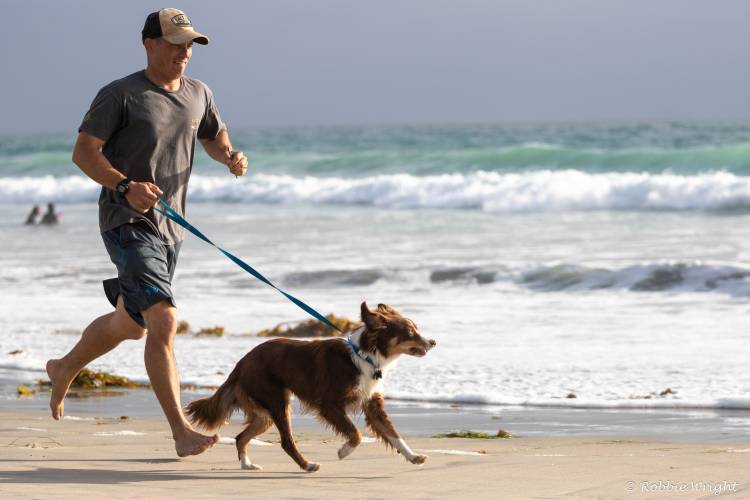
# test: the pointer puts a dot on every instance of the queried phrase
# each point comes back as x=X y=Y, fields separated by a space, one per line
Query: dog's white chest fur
x=367 y=386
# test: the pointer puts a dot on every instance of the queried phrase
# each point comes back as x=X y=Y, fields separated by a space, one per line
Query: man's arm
x=220 y=149
x=87 y=154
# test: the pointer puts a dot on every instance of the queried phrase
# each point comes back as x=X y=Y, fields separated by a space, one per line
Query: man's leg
x=101 y=336
x=161 y=322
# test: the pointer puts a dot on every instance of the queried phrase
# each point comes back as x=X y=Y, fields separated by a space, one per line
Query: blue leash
x=174 y=216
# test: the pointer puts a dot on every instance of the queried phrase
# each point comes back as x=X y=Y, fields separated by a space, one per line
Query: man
x=31 y=218
x=137 y=141
x=50 y=217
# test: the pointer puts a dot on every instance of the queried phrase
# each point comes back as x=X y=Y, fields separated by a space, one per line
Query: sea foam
x=730 y=403
x=536 y=191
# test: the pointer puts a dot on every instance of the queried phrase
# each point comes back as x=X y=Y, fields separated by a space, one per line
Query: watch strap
x=123 y=186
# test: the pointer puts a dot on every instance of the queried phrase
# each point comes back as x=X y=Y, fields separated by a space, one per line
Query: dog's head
x=391 y=334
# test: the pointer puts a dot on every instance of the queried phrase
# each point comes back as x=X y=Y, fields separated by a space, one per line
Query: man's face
x=169 y=58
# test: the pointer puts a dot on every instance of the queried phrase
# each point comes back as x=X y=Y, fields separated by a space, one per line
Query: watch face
x=122 y=188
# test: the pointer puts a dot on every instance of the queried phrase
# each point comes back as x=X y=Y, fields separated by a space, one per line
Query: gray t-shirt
x=149 y=135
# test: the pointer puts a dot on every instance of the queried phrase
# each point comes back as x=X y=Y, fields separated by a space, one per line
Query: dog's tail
x=213 y=411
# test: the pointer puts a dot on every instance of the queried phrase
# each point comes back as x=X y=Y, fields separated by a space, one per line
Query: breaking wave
x=537 y=191
x=679 y=277
x=667 y=277
x=649 y=277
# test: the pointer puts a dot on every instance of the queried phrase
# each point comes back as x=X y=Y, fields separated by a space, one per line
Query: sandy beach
x=556 y=195
x=133 y=457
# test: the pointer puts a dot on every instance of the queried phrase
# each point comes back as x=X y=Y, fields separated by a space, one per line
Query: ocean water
x=609 y=262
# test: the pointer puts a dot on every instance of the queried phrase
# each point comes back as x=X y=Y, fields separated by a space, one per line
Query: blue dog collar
x=378 y=373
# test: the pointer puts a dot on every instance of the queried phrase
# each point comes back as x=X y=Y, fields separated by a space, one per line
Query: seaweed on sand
x=183 y=327
x=90 y=379
x=310 y=328
x=501 y=434
x=214 y=331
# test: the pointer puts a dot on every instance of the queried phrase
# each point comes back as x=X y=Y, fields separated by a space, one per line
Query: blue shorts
x=145 y=267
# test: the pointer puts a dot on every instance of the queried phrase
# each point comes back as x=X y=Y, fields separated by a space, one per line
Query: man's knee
x=126 y=326
x=134 y=332
x=161 y=321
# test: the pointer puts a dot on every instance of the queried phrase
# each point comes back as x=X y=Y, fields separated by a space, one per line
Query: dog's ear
x=372 y=321
x=386 y=309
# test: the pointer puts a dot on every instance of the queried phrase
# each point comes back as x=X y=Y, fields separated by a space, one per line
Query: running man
x=137 y=140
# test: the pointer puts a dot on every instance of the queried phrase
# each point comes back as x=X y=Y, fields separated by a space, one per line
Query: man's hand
x=220 y=149
x=237 y=162
x=143 y=196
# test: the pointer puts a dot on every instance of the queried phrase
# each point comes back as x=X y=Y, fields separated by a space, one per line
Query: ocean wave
x=729 y=403
x=334 y=277
x=517 y=158
x=538 y=191
x=54 y=159
x=647 y=277
x=672 y=277
x=685 y=148
x=655 y=277
x=479 y=275
x=667 y=277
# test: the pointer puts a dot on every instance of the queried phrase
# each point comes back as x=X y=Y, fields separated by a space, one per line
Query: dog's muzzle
x=421 y=351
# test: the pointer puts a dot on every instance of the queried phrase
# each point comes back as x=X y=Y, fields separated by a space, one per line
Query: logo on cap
x=181 y=20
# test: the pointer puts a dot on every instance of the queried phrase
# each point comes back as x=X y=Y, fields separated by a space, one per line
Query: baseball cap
x=173 y=25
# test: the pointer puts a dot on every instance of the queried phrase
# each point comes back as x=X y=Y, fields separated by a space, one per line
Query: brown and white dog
x=330 y=377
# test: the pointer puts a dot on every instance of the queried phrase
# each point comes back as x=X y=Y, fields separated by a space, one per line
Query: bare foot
x=60 y=386
x=193 y=443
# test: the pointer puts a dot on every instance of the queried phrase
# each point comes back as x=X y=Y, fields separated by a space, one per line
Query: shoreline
x=428 y=419
x=110 y=457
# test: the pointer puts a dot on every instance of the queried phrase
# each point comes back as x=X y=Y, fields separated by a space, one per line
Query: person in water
x=31 y=219
x=50 y=217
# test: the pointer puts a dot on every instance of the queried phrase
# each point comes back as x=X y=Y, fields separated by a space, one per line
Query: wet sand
x=110 y=457
x=428 y=419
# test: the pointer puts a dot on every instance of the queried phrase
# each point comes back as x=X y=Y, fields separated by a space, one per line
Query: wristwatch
x=123 y=186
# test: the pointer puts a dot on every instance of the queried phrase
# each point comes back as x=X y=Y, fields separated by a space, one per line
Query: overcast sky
x=328 y=62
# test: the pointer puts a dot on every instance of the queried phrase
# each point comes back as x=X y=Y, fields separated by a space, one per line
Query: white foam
x=738 y=403
x=453 y=452
x=536 y=191
x=31 y=429
x=119 y=433
x=253 y=442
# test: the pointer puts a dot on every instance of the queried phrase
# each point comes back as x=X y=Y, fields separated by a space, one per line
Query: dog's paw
x=345 y=450
x=418 y=459
x=312 y=467
x=246 y=464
